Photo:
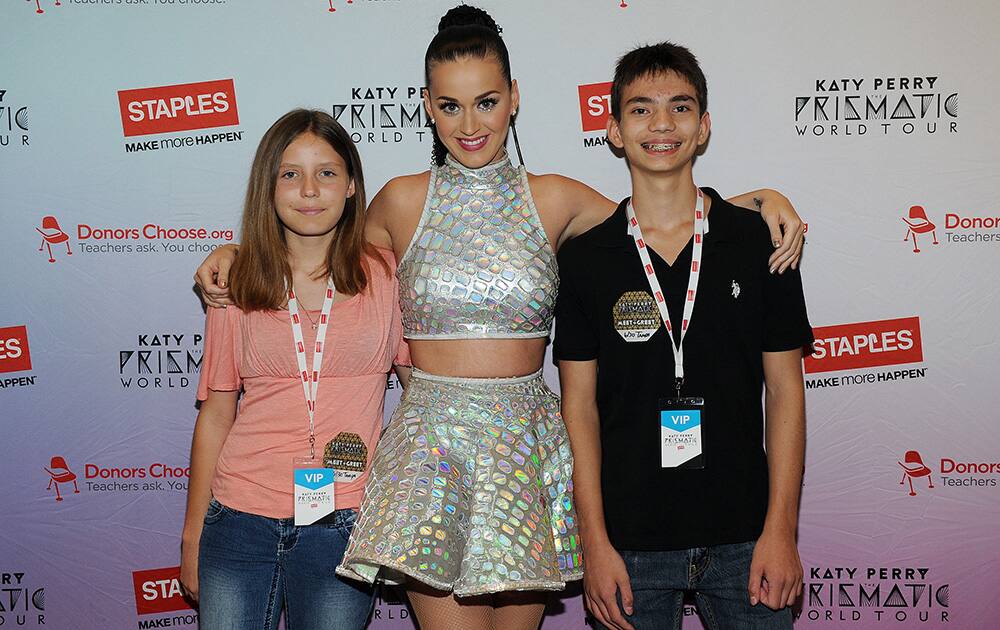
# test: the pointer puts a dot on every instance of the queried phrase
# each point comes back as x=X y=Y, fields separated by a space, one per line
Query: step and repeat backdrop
x=126 y=133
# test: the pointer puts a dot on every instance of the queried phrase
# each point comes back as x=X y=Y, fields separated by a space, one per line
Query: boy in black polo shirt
x=673 y=488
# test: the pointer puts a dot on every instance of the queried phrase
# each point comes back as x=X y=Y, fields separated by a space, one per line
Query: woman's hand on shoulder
x=212 y=276
x=580 y=206
x=786 y=227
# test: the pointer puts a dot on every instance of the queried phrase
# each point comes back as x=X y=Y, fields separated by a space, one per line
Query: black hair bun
x=465 y=15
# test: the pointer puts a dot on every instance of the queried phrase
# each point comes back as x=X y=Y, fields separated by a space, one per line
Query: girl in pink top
x=303 y=229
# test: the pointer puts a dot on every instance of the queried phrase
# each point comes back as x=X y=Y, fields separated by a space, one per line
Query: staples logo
x=159 y=591
x=865 y=345
x=14 y=353
x=178 y=107
x=595 y=105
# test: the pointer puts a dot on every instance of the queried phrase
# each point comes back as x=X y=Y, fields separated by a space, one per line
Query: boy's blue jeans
x=718 y=576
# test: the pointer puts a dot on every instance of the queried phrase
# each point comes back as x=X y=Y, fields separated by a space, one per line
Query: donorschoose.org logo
x=957 y=227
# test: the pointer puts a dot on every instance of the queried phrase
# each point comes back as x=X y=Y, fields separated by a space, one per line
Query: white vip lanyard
x=310 y=380
x=654 y=283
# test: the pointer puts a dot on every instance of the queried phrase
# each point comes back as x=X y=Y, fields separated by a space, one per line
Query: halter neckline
x=483 y=172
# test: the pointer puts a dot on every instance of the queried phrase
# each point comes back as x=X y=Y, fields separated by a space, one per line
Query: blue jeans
x=251 y=567
x=718 y=576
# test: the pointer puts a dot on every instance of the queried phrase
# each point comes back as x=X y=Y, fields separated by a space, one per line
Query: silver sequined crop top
x=479 y=265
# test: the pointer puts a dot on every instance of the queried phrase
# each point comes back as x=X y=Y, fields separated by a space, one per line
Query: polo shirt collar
x=614 y=231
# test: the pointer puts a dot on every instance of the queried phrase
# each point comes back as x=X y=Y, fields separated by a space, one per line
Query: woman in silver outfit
x=470 y=496
x=469 y=501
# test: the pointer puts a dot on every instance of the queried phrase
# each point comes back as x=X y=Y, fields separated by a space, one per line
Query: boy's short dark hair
x=656 y=59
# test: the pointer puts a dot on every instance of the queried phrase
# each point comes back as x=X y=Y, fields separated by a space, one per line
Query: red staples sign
x=595 y=105
x=182 y=107
x=14 y=353
x=158 y=591
x=865 y=345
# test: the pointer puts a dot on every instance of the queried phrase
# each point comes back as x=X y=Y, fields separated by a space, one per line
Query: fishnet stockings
x=441 y=610
x=518 y=610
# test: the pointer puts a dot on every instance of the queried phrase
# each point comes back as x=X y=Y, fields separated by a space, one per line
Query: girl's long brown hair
x=261 y=272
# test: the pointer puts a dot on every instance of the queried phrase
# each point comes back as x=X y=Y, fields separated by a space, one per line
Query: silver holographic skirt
x=470 y=490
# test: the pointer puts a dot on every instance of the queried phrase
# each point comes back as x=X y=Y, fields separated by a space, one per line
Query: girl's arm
x=218 y=412
x=403 y=374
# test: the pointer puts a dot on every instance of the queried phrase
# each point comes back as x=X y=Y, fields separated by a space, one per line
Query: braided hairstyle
x=466 y=31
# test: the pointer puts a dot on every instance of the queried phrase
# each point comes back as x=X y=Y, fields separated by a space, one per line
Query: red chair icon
x=918 y=223
x=59 y=473
x=38 y=6
x=52 y=234
x=913 y=466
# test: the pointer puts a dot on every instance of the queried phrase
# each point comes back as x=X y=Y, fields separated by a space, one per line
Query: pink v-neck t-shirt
x=254 y=351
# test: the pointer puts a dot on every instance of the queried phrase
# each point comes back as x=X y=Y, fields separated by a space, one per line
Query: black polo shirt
x=741 y=311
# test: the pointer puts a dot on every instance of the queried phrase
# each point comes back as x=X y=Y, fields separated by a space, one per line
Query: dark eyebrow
x=478 y=98
x=294 y=165
x=645 y=100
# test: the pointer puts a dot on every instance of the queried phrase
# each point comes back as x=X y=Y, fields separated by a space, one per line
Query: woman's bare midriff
x=478 y=358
